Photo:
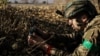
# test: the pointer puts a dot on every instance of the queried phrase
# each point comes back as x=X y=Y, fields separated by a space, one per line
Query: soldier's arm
x=91 y=38
x=55 y=37
x=63 y=37
x=67 y=39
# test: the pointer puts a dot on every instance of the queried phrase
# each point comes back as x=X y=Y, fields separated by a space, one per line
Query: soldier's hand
x=31 y=41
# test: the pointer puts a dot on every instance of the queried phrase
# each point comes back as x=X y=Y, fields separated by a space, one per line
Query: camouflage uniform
x=90 y=45
x=92 y=34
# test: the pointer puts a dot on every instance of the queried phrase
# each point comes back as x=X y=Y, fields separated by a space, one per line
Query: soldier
x=85 y=21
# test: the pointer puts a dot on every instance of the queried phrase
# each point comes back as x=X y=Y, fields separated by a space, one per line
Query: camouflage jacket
x=92 y=34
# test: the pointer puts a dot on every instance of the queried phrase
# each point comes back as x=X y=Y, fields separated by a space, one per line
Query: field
x=16 y=20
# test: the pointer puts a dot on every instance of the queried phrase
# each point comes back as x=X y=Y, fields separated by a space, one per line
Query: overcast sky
x=49 y=1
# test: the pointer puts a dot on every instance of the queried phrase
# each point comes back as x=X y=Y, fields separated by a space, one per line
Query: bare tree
x=16 y=1
x=44 y=2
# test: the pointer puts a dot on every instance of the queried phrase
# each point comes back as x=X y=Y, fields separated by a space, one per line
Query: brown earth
x=16 y=21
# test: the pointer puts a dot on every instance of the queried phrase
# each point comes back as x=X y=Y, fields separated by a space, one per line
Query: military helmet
x=78 y=6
